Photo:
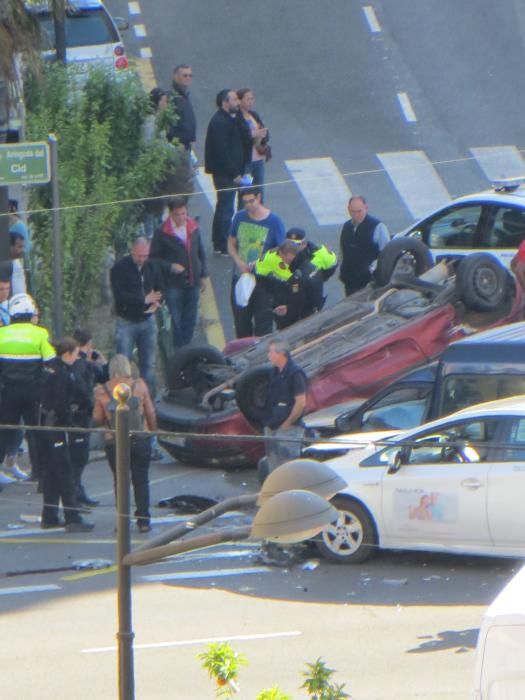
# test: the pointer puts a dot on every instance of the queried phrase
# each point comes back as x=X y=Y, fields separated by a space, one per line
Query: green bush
x=104 y=162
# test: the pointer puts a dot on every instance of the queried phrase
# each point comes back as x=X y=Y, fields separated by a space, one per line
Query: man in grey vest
x=362 y=239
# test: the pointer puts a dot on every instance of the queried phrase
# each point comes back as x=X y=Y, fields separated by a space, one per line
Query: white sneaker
x=5 y=479
x=16 y=472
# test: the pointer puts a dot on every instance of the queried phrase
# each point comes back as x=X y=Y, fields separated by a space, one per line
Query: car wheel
x=186 y=367
x=481 y=282
x=352 y=538
x=412 y=253
x=250 y=393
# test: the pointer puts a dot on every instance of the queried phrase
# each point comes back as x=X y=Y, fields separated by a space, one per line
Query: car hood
x=325 y=417
x=353 y=441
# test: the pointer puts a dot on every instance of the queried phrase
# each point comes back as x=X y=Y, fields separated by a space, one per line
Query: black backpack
x=136 y=417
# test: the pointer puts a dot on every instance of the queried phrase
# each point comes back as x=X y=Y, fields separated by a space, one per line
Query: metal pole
x=125 y=635
x=58 y=317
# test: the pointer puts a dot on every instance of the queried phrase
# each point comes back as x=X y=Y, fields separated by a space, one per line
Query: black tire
x=394 y=250
x=184 y=368
x=481 y=282
x=250 y=394
x=353 y=538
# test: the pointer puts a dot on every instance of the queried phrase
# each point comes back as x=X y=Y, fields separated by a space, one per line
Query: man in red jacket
x=178 y=247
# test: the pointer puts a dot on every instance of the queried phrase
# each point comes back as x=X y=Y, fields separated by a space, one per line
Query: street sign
x=24 y=163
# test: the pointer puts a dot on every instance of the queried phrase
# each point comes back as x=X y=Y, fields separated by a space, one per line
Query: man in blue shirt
x=253 y=231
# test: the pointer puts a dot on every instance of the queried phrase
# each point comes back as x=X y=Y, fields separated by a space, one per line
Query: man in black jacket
x=225 y=159
x=186 y=127
x=179 y=244
x=363 y=237
x=137 y=288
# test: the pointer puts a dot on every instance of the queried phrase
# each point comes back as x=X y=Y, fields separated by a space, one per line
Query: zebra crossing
x=418 y=182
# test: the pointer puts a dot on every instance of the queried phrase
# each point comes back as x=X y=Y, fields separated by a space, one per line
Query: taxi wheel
x=352 y=538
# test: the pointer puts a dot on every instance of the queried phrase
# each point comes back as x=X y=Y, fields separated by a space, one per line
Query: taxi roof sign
x=24 y=163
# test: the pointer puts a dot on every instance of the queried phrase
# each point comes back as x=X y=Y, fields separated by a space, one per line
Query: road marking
x=140 y=30
x=89 y=574
x=195 y=642
x=210 y=315
x=134 y=8
x=323 y=188
x=219 y=573
x=499 y=161
x=19 y=590
x=371 y=18
x=206 y=186
x=406 y=107
x=145 y=52
x=416 y=180
x=146 y=73
x=227 y=554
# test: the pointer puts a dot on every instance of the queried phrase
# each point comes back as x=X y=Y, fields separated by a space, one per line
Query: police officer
x=89 y=369
x=24 y=348
x=58 y=395
x=322 y=257
x=297 y=292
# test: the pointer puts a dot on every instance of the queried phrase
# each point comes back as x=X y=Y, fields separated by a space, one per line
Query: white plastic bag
x=244 y=288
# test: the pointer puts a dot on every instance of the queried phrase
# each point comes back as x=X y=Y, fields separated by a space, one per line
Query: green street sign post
x=24 y=163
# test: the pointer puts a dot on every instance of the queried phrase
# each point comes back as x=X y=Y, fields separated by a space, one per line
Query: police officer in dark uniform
x=297 y=292
x=89 y=369
x=58 y=395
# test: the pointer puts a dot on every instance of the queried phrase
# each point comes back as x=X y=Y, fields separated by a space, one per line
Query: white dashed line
x=194 y=642
x=219 y=573
x=134 y=8
x=406 y=107
x=146 y=52
x=371 y=18
x=140 y=30
x=18 y=590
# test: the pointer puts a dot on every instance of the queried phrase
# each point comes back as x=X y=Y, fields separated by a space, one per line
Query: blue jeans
x=143 y=336
x=223 y=211
x=183 y=304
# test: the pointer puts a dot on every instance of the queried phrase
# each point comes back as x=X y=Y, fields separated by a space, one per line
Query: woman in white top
x=259 y=136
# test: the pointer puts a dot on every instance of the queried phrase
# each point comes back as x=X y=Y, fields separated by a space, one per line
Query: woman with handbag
x=258 y=136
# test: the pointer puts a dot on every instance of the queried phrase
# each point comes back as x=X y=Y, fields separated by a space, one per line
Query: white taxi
x=491 y=221
x=454 y=485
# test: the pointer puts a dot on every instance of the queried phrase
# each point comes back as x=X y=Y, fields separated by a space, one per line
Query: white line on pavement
x=323 y=187
x=18 y=590
x=499 y=161
x=206 y=185
x=194 y=642
x=140 y=30
x=134 y=8
x=146 y=52
x=216 y=573
x=22 y=532
x=371 y=18
x=416 y=180
x=406 y=107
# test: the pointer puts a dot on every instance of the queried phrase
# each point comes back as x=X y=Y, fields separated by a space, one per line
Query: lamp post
x=285 y=516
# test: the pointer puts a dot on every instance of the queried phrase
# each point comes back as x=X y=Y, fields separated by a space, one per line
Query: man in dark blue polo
x=285 y=404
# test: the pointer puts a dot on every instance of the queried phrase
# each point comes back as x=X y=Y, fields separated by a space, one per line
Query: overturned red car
x=401 y=320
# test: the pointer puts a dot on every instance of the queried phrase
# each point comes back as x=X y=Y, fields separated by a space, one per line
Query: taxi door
x=438 y=496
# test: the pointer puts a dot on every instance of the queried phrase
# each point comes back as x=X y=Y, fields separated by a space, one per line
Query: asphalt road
x=400 y=101
x=401 y=626
x=329 y=83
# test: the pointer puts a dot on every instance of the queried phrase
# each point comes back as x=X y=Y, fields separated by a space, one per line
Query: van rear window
x=461 y=391
x=85 y=28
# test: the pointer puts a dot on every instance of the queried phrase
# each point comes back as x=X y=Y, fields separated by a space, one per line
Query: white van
x=500 y=653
